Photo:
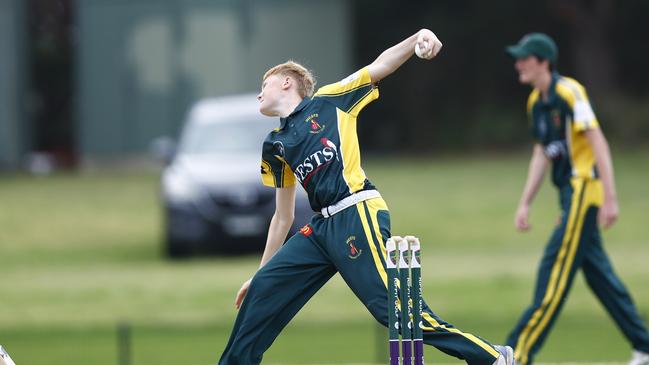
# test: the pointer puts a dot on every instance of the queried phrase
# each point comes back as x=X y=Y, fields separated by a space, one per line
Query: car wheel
x=176 y=250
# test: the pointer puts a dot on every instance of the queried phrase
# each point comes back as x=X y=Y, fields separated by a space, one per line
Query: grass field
x=80 y=253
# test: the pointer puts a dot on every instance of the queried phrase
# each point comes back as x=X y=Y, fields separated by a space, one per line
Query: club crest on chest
x=315 y=127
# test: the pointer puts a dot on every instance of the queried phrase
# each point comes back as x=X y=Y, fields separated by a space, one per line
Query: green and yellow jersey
x=317 y=145
x=558 y=124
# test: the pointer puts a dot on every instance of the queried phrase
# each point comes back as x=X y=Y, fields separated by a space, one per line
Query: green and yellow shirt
x=317 y=145
x=558 y=124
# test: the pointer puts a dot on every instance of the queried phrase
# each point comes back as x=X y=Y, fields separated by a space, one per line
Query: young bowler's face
x=529 y=69
x=269 y=95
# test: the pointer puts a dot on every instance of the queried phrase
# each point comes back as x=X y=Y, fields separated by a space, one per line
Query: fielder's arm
x=280 y=224
x=392 y=58
x=535 y=174
x=610 y=210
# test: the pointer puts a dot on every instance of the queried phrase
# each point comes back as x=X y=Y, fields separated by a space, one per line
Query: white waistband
x=349 y=201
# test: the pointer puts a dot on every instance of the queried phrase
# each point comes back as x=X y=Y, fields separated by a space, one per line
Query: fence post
x=123 y=343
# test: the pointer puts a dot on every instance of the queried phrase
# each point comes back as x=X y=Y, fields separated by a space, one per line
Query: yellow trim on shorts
x=368 y=235
x=374 y=206
x=485 y=346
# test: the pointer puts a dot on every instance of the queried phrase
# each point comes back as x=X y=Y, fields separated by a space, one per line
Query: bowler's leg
x=360 y=258
x=276 y=294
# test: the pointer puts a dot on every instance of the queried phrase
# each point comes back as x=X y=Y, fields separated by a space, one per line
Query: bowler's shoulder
x=354 y=81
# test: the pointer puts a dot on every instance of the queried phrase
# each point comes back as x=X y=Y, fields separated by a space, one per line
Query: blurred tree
x=51 y=89
x=589 y=23
x=628 y=34
x=469 y=97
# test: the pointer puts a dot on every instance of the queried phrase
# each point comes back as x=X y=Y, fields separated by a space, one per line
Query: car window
x=237 y=136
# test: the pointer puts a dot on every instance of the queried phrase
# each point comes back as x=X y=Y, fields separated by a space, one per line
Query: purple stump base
x=419 y=352
x=394 y=352
x=407 y=352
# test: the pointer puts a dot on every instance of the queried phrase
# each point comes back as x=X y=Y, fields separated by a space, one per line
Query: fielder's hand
x=242 y=294
x=608 y=213
x=428 y=43
x=521 y=220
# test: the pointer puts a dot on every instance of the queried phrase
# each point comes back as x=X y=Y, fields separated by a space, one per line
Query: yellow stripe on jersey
x=575 y=95
x=352 y=171
x=351 y=94
x=352 y=82
x=267 y=176
x=371 y=95
x=534 y=96
x=333 y=90
x=288 y=178
x=582 y=156
x=285 y=179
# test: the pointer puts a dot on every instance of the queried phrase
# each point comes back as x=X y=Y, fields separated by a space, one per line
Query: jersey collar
x=298 y=108
x=552 y=91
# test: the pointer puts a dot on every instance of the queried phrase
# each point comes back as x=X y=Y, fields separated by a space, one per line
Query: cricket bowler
x=316 y=146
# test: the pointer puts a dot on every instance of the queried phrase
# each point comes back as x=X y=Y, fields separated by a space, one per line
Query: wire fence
x=133 y=343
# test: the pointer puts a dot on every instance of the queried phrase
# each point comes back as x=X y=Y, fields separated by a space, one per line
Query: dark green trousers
x=351 y=243
x=575 y=244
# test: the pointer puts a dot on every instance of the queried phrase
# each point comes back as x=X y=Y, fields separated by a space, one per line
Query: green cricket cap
x=535 y=44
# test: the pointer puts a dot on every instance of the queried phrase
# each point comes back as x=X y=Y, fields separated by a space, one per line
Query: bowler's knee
x=378 y=309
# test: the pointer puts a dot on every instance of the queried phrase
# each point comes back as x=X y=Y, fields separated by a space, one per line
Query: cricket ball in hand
x=420 y=53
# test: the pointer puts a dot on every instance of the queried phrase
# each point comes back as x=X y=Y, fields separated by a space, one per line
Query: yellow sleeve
x=574 y=93
x=275 y=171
x=352 y=93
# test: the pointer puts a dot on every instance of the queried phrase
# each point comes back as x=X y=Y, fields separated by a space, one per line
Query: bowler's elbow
x=284 y=218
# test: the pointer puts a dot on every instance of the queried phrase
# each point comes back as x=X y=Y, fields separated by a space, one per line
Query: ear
x=286 y=83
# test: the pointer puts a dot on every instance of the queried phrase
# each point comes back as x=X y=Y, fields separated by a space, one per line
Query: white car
x=214 y=201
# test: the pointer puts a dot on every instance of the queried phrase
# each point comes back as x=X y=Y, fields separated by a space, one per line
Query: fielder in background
x=569 y=140
x=316 y=145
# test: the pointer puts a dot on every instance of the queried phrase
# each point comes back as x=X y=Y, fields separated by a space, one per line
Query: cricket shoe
x=506 y=355
x=639 y=358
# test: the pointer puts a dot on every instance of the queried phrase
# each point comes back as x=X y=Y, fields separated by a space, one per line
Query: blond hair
x=304 y=79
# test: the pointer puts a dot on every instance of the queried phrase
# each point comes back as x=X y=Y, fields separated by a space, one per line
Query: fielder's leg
x=612 y=293
x=563 y=256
